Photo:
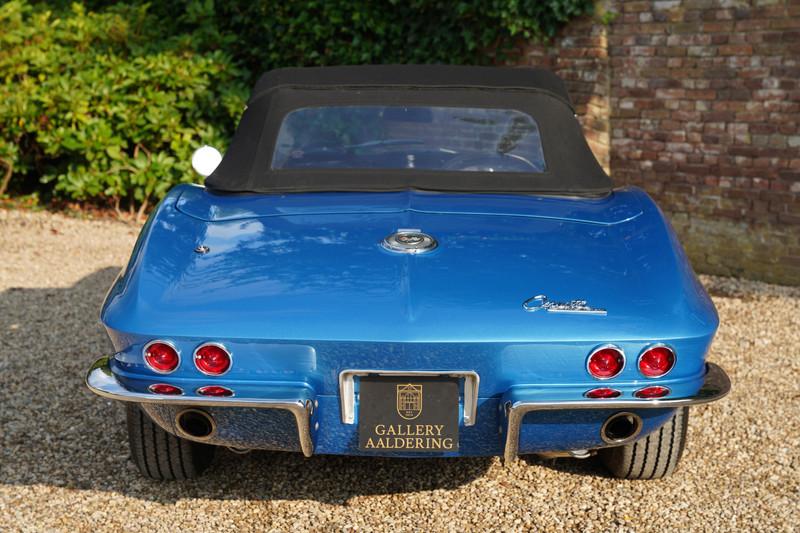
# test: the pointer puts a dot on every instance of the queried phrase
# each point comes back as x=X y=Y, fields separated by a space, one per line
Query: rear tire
x=160 y=455
x=653 y=457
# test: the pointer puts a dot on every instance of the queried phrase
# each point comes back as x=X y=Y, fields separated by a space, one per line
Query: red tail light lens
x=656 y=361
x=602 y=393
x=214 y=390
x=164 y=388
x=212 y=359
x=161 y=357
x=655 y=391
x=606 y=362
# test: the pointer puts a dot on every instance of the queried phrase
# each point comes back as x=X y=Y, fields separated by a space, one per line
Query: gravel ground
x=64 y=463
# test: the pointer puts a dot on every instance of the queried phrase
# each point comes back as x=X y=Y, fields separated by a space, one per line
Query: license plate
x=408 y=414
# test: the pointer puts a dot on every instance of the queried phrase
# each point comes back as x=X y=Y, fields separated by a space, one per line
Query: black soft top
x=415 y=76
x=571 y=166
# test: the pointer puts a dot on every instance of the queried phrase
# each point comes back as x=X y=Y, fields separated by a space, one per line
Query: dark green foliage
x=274 y=34
x=109 y=101
x=104 y=105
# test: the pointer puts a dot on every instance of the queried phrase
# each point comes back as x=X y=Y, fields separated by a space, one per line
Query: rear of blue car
x=387 y=267
x=254 y=330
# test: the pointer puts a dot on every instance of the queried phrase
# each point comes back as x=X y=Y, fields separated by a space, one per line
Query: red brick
x=635 y=7
x=787 y=22
x=789 y=175
x=715 y=27
x=698 y=104
x=702 y=95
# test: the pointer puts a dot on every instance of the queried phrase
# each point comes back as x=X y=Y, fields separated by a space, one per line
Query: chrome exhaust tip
x=621 y=428
x=195 y=424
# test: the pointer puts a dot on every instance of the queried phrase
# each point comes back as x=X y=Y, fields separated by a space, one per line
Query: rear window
x=403 y=137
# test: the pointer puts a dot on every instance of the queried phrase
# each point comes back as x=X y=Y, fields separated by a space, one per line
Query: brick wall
x=580 y=57
x=698 y=102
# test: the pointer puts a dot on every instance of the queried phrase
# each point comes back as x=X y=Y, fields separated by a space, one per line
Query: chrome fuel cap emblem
x=409 y=241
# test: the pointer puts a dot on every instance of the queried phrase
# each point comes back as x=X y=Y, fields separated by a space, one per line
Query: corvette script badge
x=540 y=302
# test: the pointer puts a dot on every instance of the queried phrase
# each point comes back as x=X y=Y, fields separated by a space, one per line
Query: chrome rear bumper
x=301 y=402
x=716 y=385
x=101 y=381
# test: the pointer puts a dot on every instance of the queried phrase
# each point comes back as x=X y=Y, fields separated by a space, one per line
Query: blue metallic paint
x=298 y=288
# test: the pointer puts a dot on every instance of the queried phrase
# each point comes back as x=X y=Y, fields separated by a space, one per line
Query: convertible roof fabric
x=413 y=76
x=571 y=168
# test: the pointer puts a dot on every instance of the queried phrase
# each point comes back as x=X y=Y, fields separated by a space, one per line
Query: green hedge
x=325 y=32
x=107 y=103
x=103 y=105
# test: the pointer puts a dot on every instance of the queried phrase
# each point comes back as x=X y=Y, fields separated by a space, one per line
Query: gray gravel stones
x=64 y=462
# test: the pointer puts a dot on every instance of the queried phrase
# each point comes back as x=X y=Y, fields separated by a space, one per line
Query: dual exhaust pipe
x=195 y=424
x=619 y=428
x=200 y=425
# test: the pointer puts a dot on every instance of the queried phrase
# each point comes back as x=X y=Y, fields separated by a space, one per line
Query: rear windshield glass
x=400 y=137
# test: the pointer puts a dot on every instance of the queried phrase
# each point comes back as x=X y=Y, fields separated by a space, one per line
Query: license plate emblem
x=408 y=414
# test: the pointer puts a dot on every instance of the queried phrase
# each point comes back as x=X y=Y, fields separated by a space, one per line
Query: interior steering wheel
x=498 y=162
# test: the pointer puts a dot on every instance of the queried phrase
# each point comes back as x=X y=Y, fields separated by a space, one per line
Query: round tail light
x=656 y=391
x=603 y=393
x=161 y=357
x=164 y=388
x=656 y=361
x=214 y=390
x=212 y=359
x=606 y=362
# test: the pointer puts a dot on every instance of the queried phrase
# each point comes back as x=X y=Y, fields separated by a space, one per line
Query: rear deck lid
x=610 y=209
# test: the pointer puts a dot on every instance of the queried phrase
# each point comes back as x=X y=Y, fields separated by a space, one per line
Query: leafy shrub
x=102 y=105
x=273 y=34
x=110 y=103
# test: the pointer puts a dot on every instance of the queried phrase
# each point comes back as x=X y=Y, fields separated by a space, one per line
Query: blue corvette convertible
x=408 y=261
